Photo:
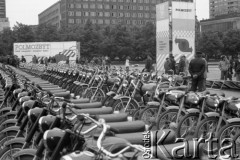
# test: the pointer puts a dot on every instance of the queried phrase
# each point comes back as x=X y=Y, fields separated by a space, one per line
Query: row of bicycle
x=43 y=122
x=170 y=97
x=162 y=102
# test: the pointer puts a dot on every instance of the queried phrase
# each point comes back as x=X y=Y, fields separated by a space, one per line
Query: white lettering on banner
x=184 y=10
x=34 y=46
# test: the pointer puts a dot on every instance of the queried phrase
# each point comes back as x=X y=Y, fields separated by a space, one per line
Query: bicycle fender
x=111 y=93
x=212 y=114
x=10 y=113
x=9 y=121
x=120 y=97
x=233 y=120
x=23 y=152
x=193 y=110
x=12 y=128
x=18 y=140
x=172 y=107
x=5 y=109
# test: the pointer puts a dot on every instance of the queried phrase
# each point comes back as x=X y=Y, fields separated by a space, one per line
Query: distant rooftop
x=232 y=15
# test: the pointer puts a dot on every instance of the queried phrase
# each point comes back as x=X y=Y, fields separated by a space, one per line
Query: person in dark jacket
x=197 y=69
x=172 y=63
x=148 y=65
x=167 y=66
x=23 y=60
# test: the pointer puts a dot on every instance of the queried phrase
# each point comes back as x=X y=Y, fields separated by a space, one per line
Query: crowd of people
x=228 y=66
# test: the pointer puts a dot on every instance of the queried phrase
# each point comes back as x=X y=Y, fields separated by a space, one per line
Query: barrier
x=223 y=84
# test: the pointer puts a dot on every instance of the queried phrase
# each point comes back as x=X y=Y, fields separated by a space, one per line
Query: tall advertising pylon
x=181 y=29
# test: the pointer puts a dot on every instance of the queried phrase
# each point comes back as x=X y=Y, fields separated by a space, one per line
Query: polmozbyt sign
x=32 y=47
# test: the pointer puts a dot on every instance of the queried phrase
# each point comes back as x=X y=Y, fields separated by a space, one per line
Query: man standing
x=172 y=63
x=224 y=66
x=206 y=70
x=167 y=66
x=237 y=69
x=197 y=69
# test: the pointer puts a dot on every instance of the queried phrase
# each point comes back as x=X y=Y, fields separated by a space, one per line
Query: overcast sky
x=26 y=11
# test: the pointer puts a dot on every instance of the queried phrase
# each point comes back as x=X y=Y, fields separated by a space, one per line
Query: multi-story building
x=221 y=23
x=223 y=7
x=102 y=12
x=4 y=23
x=51 y=15
x=106 y=12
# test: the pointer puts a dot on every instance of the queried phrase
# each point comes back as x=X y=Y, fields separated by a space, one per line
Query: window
x=113 y=21
x=114 y=7
x=127 y=14
x=120 y=14
x=78 y=6
x=140 y=14
x=120 y=7
x=70 y=20
x=70 y=13
x=71 y=6
x=147 y=15
x=107 y=6
x=113 y=14
x=100 y=6
x=94 y=21
x=100 y=14
x=92 y=6
x=100 y=21
x=120 y=0
x=140 y=7
x=92 y=14
x=146 y=8
x=78 y=21
x=85 y=5
x=85 y=13
x=107 y=14
x=78 y=13
x=134 y=15
x=107 y=21
x=128 y=22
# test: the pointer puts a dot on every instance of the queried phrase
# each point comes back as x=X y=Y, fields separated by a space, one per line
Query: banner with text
x=183 y=29
x=59 y=50
x=162 y=34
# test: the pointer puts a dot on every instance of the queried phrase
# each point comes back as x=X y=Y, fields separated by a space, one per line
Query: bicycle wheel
x=229 y=131
x=187 y=126
x=166 y=119
x=206 y=128
x=149 y=115
x=124 y=106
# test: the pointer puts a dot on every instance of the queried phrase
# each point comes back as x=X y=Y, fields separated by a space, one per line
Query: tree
x=23 y=33
x=210 y=44
x=231 y=41
x=6 y=42
x=46 y=33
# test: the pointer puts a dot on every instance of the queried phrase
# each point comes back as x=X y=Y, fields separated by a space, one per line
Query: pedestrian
x=224 y=66
x=108 y=63
x=237 y=69
x=149 y=64
x=206 y=70
x=172 y=63
x=197 y=69
x=77 y=60
x=41 y=61
x=127 y=64
x=34 y=59
x=167 y=66
x=46 y=61
x=181 y=65
x=23 y=60
x=67 y=60
x=230 y=70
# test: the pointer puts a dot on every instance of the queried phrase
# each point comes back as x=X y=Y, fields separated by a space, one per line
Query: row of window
x=112 y=14
x=121 y=1
x=107 y=6
x=53 y=13
x=107 y=21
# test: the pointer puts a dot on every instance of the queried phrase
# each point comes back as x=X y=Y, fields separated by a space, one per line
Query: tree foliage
x=117 y=42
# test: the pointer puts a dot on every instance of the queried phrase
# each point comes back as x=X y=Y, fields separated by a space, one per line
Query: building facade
x=107 y=12
x=221 y=24
x=51 y=15
x=223 y=7
x=4 y=22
